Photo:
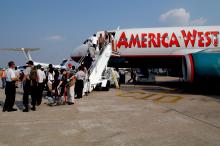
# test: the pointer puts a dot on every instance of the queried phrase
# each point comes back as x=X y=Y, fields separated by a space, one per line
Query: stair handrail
x=92 y=67
x=81 y=59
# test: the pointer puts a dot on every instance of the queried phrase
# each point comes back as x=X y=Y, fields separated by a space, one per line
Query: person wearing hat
x=41 y=79
x=10 y=89
x=27 y=85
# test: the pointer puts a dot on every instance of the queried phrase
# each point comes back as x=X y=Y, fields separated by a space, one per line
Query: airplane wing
x=26 y=51
x=20 y=49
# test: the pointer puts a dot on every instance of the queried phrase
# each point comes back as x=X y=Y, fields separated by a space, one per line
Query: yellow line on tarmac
x=168 y=91
x=147 y=96
x=130 y=94
x=173 y=99
x=161 y=97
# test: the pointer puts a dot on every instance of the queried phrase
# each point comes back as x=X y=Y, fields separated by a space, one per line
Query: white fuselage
x=165 y=41
x=168 y=47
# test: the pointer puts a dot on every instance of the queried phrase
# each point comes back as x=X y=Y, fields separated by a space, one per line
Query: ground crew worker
x=10 y=89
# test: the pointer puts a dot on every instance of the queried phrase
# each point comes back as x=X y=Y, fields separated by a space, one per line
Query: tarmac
x=141 y=115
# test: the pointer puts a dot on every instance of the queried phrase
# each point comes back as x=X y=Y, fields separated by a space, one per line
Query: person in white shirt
x=94 y=40
x=41 y=78
x=80 y=77
x=10 y=89
x=50 y=81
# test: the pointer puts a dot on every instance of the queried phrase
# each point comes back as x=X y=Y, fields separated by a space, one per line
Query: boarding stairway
x=97 y=68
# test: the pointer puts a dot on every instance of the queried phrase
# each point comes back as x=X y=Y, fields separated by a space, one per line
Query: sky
x=59 y=26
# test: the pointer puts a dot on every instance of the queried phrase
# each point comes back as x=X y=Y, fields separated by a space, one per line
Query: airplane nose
x=78 y=52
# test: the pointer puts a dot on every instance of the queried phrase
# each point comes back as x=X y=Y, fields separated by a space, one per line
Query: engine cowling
x=188 y=68
x=201 y=66
x=207 y=65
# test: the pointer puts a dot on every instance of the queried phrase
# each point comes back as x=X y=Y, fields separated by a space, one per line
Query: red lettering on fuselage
x=209 y=40
x=134 y=41
x=191 y=38
x=143 y=40
x=122 y=41
x=151 y=41
x=174 y=41
x=164 y=43
x=215 y=35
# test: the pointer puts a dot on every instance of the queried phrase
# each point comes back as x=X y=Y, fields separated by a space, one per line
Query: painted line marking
x=168 y=99
x=156 y=97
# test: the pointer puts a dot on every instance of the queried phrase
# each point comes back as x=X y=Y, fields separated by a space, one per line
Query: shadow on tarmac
x=202 y=88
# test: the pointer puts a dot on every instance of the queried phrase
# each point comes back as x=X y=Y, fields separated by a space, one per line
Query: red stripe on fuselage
x=192 y=67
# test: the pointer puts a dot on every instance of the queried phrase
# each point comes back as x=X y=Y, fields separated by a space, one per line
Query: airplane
x=26 y=52
x=192 y=53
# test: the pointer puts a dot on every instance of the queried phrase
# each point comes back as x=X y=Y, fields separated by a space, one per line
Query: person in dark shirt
x=56 y=81
x=133 y=76
x=88 y=61
x=62 y=84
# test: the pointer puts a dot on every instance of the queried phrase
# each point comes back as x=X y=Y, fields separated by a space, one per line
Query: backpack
x=33 y=76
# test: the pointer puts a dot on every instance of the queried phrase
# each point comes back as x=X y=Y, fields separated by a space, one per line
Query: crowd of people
x=97 y=43
x=61 y=85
